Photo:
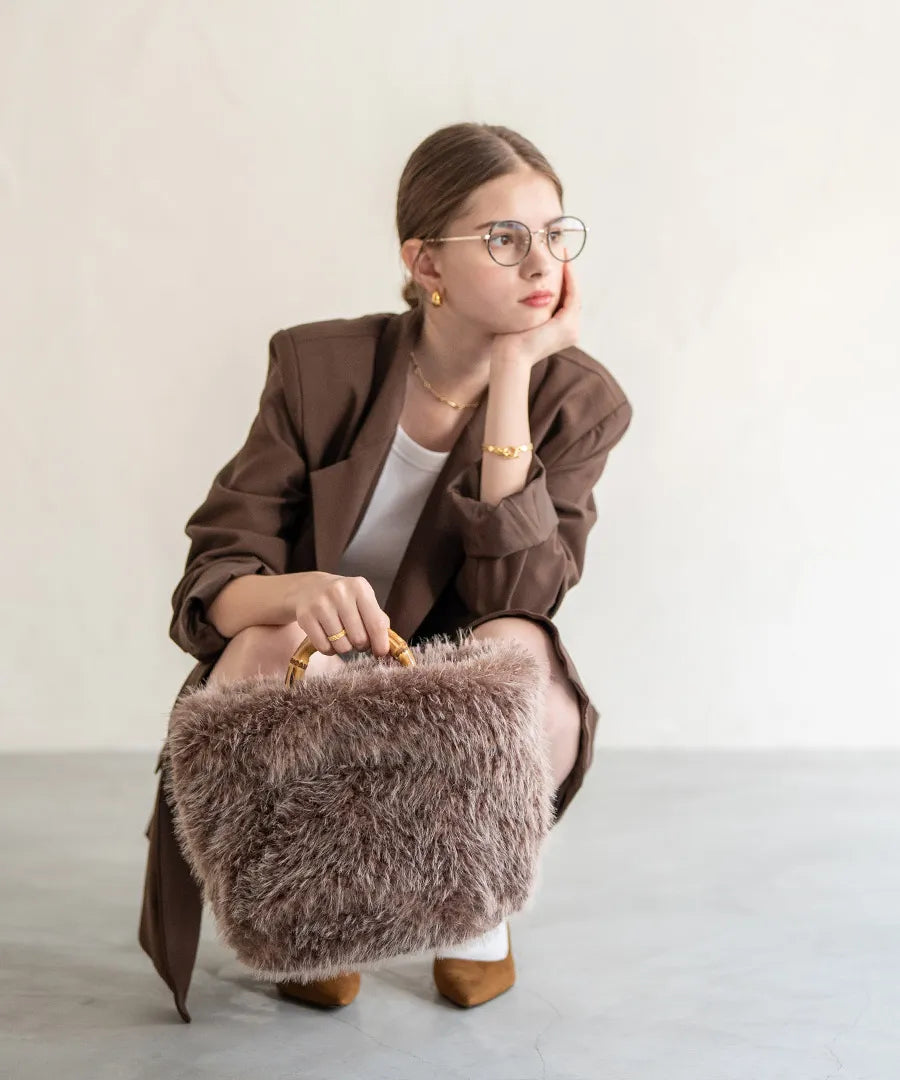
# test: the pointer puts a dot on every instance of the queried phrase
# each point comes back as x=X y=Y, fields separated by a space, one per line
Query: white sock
x=493 y=945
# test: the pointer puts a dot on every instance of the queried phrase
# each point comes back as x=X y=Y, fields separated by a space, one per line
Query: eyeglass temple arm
x=445 y=239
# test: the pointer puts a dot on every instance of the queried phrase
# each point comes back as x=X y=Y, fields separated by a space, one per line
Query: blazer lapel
x=434 y=553
x=341 y=492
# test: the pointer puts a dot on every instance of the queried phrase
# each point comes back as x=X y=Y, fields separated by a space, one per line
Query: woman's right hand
x=326 y=603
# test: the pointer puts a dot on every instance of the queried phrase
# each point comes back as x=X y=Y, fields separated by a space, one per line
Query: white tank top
x=403 y=485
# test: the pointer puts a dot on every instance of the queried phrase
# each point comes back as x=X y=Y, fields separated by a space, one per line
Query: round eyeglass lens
x=508 y=242
x=566 y=237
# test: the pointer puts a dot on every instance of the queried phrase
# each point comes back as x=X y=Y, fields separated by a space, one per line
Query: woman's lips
x=541 y=300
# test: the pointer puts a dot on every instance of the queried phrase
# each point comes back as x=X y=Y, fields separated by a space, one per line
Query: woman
x=432 y=471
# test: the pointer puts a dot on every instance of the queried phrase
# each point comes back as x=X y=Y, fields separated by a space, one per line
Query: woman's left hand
x=559 y=332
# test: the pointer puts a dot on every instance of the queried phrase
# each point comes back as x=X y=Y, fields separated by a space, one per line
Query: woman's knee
x=562 y=715
x=258 y=650
x=533 y=635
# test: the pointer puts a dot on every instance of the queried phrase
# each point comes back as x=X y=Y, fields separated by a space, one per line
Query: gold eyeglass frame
x=532 y=233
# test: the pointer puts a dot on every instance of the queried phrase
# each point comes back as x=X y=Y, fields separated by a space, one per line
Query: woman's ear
x=409 y=249
x=426 y=272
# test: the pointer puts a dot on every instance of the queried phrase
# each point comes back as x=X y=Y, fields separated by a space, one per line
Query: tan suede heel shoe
x=473 y=982
x=338 y=990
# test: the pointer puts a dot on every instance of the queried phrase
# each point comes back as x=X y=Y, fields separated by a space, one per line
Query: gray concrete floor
x=700 y=916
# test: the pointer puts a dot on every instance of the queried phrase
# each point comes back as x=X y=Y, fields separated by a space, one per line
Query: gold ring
x=339 y=634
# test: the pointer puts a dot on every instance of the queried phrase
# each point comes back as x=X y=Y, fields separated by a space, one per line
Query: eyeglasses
x=508 y=242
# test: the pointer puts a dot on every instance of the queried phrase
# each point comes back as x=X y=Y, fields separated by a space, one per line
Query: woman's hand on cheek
x=559 y=332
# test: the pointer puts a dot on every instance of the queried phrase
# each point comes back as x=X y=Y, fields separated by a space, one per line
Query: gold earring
x=436 y=298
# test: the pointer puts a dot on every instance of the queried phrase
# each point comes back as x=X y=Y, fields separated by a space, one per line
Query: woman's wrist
x=257 y=600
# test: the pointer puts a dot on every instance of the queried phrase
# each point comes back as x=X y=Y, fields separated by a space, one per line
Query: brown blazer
x=292 y=497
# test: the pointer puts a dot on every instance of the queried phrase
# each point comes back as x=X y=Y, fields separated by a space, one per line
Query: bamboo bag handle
x=299 y=662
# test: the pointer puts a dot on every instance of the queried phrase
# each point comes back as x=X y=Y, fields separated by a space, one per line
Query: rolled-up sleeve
x=253 y=508
x=520 y=520
x=528 y=550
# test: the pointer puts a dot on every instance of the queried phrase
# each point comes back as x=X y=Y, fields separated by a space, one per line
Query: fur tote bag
x=389 y=809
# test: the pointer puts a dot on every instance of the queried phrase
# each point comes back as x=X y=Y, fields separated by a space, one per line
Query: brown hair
x=446 y=168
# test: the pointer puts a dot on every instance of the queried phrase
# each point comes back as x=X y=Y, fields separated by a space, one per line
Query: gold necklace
x=431 y=389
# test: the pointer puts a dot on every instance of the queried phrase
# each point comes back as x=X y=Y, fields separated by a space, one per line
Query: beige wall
x=168 y=173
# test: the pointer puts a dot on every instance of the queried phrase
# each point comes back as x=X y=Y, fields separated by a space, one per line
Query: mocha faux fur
x=373 y=812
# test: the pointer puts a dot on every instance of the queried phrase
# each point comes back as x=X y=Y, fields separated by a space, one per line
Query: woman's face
x=475 y=287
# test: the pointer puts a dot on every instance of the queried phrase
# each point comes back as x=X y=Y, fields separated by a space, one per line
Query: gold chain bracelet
x=507 y=451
